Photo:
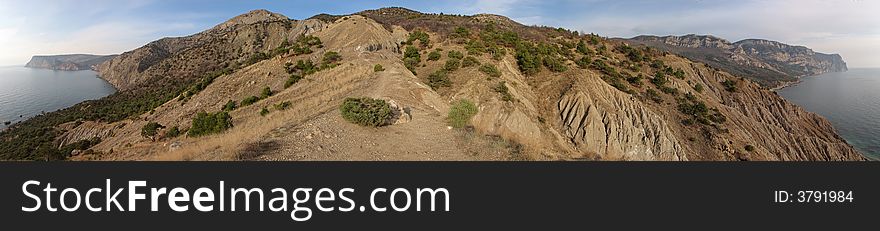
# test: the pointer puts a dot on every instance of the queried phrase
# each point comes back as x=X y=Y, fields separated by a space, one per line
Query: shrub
x=209 y=123
x=378 y=68
x=460 y=113
x=502 y=89
x=418 y=35
x=659 y=79
x=729 y=85
x=433 y=56
x=582 y=48
x=264 y=111
x=490 y=70
x=282 y=106
x=583 y=62
x=438 y=79
x=635 y=80
x=750 y=148
x=265 y=93
x=555 y=64
x=653 y=96
x=230 y=106
x=497 y=52
x=455 y=55
x=462 y=32
x=249 y=100
x=452 y=64
x=365 y=111
x=698 y=88
x=469 y=61
x=150 y=130
x=173 y=132
x=256 y=58
x=678 y=73
x=293 y=79
x=331 y=57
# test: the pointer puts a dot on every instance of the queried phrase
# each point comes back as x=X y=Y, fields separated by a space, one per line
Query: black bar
x=484 y=195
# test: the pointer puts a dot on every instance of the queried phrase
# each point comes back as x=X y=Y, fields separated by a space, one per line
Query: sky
x=848 y=27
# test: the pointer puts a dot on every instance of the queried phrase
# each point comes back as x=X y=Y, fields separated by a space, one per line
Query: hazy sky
x=848 y=27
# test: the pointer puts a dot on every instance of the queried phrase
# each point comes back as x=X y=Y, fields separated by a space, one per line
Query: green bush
x=282 y=106
x=378 y=68
x=555 y=64
x=230 y=106
x=209 y=123
x=452 y=64
x=439 y=79
x=653 y=96
x=249 y=100
x=461 y=32
x=659 y=79
x=331 y=57
x=635 y=80
x=678 y=73
x=460 y=113
x=490 y=70
x=698 y=88
x=469 y=61
x=366 y=111
x=293 y=79
x=150 y=130
x=256 y=58
x=264 y=111
x=455 y=55
x=265 y=93
x=501 y=88
x=173 y=132
x=750 y=148
x=729 y=85
x=418 y=35
x=583 y=62
x=433 y=56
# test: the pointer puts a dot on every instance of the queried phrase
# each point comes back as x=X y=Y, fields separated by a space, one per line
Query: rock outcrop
x=74 y=62
x=767 y=62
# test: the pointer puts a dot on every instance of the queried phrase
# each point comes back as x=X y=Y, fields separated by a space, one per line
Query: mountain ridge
x=67 y=62
x=768 y=62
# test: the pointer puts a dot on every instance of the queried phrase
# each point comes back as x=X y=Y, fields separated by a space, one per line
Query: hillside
x=769 y=63
x=74 y=62
x=264 y=87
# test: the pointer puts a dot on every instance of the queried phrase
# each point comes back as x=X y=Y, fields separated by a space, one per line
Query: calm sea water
x=850 y=100
x=27 y=92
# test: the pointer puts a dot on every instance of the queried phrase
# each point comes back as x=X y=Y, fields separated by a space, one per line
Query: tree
x=150 y=130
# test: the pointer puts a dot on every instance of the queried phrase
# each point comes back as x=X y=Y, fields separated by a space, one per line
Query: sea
x=28 y=92
x=850 y=100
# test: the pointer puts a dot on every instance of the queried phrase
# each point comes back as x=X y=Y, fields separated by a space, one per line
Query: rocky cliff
x=767 y=62
x=540 y=94
x=74 y=62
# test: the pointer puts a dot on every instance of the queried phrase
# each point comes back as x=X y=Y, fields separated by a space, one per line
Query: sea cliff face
x=767 y=62
x=73 y=62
